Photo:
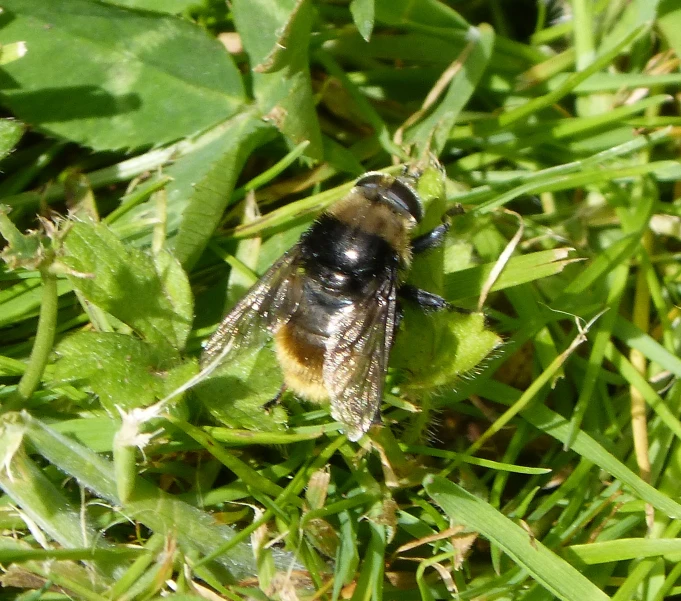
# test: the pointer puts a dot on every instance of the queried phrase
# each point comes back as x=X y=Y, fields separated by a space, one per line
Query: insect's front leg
x=425 y=300
x=429 y=240
x=436 y=236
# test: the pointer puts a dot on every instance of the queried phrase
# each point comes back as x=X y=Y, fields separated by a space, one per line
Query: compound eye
x=402 y=192
x=396 y=191
x=370 y=183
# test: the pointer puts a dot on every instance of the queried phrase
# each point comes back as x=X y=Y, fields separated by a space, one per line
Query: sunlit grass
x=530 y=451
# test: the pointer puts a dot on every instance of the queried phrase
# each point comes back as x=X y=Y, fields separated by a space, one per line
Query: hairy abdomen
x=301 y=356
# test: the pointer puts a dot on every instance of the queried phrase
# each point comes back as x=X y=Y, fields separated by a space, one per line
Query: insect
x=331 y=302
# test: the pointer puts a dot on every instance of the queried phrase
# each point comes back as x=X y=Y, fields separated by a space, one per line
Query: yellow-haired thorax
x=376 y=218
x=301 y=363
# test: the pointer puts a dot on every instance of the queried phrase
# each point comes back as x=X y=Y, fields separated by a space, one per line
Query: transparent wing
x=267 y=305
x=356 y=357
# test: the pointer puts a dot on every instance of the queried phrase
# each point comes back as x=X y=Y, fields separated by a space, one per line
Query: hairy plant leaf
x=123 y=371
x=97 y=433
x=112 y=78
x=456 y=344
x=151 y=294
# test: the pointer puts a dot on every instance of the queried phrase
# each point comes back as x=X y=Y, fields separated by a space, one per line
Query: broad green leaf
x=10 y=134
x=433 y=131
x=427 y=268
x=150 y=294
x=112 y=78
x=236 y=391
x=552 y=572
x=276 y=35
x=435 y=348
x=123 y=371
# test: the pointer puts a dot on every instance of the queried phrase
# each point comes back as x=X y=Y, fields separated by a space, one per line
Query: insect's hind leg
x=436 y=236
x=275 y=400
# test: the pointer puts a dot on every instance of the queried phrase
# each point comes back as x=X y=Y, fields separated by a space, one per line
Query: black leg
x=431 y=239
x=424 y=299
x=427 y=301
x=277 y=397
x=436 y=236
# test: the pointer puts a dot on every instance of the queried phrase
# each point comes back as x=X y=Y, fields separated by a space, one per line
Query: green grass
x=531 y=446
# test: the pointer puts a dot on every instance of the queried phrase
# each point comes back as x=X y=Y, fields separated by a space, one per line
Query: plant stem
x=44 y=338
